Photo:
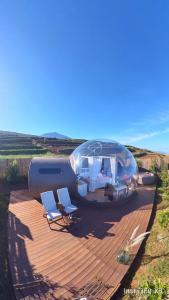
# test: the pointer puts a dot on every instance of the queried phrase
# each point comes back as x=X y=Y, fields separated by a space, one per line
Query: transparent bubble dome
x=104 y=161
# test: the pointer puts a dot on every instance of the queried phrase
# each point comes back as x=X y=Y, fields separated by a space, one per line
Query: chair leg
x=61 y=218
x=68 y=220
x=67 y=223
x=49 y=224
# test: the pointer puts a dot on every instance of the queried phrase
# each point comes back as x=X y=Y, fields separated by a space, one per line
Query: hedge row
x=23 y=151
x=131 y=149
x=66 y=151
x=61 y=145
x=139 y=154
x=59 y=142
x=14 y=147
x=15 y=140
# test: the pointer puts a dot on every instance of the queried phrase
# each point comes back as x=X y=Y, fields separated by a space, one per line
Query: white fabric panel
x=97 y=166
x=91 y=174
x=94 y=167
x=113 y=163
x=91 y=166
x=78 y=163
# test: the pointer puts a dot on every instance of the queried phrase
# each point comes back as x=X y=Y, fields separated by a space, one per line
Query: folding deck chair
x=64 y=199
x=51 y=212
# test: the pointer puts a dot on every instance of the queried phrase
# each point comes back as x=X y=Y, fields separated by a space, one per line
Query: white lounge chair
x=51 y=212
x=64 y=199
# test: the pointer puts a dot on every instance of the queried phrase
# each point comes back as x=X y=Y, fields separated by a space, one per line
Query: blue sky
x=86 y=69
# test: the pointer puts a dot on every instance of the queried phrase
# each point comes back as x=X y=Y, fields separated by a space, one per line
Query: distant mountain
x=11 y=134
x=54 y=135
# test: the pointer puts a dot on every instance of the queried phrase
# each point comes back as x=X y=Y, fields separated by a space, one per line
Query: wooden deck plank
x=67 y=261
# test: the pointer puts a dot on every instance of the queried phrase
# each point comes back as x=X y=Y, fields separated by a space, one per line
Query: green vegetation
x=12 y=174
x=154 y=167
x=139 y=163
x=66 y=151
x=164 y=189
x=18 y=146
x=59 y=142
x=137 y=152
x=156 y=290
x=140 y=154
x=6 y=291
x=19 y=156
x=135 y=149
x=23 y=151
x=153 y=272
x=163 y=218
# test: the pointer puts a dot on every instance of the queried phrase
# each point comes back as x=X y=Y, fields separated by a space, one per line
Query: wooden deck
x=98 y=196
x=81 y=262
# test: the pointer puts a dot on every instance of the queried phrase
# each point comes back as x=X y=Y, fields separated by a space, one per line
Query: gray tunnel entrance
x=50 y=174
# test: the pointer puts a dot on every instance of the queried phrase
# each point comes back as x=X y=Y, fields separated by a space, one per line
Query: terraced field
x=15 y=145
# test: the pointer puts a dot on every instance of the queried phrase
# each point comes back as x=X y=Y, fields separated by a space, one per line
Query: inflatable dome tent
x=104 y=163
x=97 y=170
